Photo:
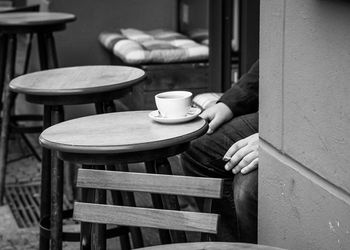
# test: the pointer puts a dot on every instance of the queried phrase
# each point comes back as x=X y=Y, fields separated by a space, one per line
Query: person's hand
x=216 y=115
x=243 y=156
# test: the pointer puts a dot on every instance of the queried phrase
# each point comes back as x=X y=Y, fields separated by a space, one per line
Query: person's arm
x=243 y=97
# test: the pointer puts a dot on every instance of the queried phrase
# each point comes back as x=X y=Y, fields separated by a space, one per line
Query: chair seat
x=156 y=46
x=210 y=246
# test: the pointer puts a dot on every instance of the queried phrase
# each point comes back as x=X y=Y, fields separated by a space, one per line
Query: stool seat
x=118 y=133
x=77 y=80
x=77 y=85
x=211 y=246
x=34 y=20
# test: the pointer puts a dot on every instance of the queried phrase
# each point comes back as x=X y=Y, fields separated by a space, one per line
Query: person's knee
x=242 y=197
x=245 y=193
x=194 y=155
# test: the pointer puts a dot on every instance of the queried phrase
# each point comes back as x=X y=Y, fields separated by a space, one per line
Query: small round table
x=120 y=138
x=68 y=86
x=212 y=246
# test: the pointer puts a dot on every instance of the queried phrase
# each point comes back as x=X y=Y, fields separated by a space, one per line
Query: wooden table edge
x=124 y=148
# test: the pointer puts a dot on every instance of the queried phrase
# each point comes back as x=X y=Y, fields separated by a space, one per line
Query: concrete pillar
x=304 y=187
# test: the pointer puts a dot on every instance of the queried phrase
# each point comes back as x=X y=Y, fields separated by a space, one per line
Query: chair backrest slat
x=153 y=183
x=146 y=217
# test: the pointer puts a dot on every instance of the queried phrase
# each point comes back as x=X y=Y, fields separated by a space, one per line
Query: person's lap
x=204 y=158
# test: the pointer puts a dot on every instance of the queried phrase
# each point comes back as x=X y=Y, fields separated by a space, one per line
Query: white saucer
x=191 y=114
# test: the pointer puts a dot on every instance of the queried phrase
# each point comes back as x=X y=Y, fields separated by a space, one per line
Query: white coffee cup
x=173 y=104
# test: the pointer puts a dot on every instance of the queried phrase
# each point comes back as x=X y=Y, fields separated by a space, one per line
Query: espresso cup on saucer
x=173 y=104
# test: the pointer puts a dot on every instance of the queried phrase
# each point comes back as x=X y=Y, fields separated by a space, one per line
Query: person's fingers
x=204 y=115
x=208 y=117
x=251 y=166
x=237 y=157
x=234 y=148
x=210 y=131
x=213 y=125
x=246 y=160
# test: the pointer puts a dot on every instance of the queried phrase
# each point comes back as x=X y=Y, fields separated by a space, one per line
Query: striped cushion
x=134 y=46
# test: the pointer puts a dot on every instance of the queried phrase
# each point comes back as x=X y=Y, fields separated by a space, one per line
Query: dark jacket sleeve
x=243 y=97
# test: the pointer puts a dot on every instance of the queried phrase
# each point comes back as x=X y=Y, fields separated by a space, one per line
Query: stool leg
x=56 y=203
x=47 y=51
x=52 y=45
x=129 y=200
x=3 y=60
x=45 y=204
x=87 y=195
x=13 y=50
x=128 y=197
x=30 y=146
x=118 y=200
x=99 y=230
x=28 y=53
x=110 y=107
x=207 y=208
x=43 y=51
x=157 y=203
x=56 y=190
x=45 y=197
x=4 y=127
x=8 y=104
x=8 y=99
x=170 y=201
x=99 y=108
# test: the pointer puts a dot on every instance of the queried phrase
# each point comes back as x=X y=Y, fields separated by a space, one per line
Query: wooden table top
x=35 y=18
x=211 y=246
x=77 y=80
x=119 y=132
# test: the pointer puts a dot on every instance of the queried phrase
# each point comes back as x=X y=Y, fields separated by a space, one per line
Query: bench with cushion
x=172 y=61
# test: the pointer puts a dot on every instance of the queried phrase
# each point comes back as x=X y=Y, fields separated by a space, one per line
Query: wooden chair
x=207 y=188
x=207 y=223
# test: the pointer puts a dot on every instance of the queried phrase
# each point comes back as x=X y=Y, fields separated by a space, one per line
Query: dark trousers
x=238 y=208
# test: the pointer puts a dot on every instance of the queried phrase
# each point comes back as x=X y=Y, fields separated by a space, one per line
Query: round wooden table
x=211 y=246
x=121 y=138
x=77 y=85
x=116 y=134
x=55 y=88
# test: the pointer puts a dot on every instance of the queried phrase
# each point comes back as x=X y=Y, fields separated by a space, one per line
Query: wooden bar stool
x=11 y=25
x=120 y=138
x=55 y=88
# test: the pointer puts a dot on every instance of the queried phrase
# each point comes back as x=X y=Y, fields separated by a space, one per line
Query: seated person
x=229 y=150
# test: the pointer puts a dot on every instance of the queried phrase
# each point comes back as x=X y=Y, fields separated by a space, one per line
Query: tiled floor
x=26 y=171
